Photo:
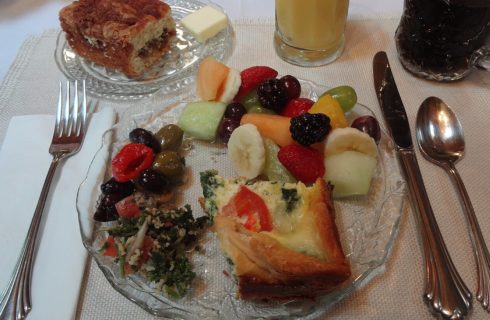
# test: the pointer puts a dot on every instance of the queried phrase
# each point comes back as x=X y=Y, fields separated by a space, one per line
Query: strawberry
x=297 y=106
x=304 y=163
x=252 y=77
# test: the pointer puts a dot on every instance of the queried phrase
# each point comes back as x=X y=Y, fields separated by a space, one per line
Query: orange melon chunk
x=271 y=126
x=211 y=77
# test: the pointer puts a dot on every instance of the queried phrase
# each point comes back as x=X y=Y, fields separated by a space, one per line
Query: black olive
x=110 y=199
x=104 y=215
x=140 y=135
x=111 y=186
x=152 y=180
x=106 y=209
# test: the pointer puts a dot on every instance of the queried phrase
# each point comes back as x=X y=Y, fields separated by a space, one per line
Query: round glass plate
x=173 y=73
x=367 y=225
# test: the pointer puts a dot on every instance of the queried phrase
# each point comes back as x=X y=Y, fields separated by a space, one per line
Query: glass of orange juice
x=310 y=32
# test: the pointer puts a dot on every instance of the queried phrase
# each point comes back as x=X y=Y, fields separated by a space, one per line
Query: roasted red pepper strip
x=131 y=160
x=249 y=204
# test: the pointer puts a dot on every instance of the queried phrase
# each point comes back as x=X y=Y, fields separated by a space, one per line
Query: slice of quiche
x=281 y=238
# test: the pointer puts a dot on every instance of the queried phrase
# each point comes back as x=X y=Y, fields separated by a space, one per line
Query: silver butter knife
x=445 y=292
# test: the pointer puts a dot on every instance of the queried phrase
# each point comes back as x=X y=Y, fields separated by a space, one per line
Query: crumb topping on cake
x=101 y=18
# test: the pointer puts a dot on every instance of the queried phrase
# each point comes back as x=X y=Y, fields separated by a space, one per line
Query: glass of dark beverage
x=444 y=40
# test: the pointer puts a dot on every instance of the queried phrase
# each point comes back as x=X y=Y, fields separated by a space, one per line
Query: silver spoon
x=441 y=140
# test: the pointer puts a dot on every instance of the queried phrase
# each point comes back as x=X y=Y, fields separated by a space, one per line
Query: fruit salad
x=273 y=132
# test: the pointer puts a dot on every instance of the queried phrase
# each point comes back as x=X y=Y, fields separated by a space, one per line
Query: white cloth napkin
x=61 y=257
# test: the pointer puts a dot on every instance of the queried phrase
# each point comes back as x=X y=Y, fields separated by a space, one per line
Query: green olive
x=169 y=163
x=170 y=137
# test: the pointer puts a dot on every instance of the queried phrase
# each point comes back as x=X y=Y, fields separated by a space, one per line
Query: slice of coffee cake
x=126 y=35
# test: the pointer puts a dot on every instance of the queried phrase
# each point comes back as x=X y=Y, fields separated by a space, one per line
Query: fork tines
x=72 y=111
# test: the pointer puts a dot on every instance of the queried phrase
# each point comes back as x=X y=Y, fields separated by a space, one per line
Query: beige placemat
x=398 y=292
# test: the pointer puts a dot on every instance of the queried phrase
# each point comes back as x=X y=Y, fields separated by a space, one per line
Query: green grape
x=259 y=109
x=251 y=100
x=273 y=169
x=345 y=95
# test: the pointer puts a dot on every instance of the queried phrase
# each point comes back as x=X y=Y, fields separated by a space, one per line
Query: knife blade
x=391 y=102
x=445 y=291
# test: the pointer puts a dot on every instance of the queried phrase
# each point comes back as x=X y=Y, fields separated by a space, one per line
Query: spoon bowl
x=441 y=140
x=439 y=132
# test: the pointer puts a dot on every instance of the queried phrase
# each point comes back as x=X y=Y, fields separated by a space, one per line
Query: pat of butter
x=205 y=23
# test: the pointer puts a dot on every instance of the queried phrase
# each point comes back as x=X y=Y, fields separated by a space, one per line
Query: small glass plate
x=367 y=225
x=175 y=72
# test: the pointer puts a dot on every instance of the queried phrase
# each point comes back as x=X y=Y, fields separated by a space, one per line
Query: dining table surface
x=29 y=78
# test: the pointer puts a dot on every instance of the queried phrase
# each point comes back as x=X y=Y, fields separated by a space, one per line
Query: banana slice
x=231 y=86
x=246 y=151
x=344 y=139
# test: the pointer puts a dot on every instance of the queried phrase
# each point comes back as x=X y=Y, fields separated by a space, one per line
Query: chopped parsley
x=230 y=262
x=164 y=255
x=127 y=227
x=176 y=274
x=290 y=196
x=209 y=184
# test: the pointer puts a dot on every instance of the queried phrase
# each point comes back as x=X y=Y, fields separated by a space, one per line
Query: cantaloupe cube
x=271 y=126
x=211 y=76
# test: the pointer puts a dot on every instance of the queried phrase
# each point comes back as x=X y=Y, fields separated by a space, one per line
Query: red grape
x=369 y=125
x=226 y=128
x=292 y=85
x=235 y=110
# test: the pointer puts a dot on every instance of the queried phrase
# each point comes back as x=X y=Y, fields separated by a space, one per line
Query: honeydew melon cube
x=273 y=169
x=350 y=172
x=201 y=119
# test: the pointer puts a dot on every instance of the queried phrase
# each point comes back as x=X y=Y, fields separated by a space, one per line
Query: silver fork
x=67 y=138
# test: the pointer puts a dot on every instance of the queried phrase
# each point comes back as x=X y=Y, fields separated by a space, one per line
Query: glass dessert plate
x=367 y=225
x=173 y=73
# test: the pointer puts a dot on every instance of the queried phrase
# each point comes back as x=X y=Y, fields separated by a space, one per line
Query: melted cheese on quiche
x=294 y=228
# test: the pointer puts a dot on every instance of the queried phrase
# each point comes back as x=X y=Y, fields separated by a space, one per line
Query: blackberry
x=111 y=186
x=273 y=94
x=309 y=128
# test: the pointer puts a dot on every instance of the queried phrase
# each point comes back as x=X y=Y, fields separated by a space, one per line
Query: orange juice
x=312 y=25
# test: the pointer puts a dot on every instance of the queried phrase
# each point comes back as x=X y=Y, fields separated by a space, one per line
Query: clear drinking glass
x=310 y=32
x=444 y=40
